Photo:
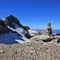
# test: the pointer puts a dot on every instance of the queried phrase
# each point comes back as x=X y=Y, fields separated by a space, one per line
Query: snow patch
x=33 y=32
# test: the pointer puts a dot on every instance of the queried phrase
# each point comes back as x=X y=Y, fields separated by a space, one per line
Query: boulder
x=58 y=40
x=44 y=38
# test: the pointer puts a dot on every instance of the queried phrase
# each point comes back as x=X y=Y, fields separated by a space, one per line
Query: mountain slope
x=11 y=31
x=14 y=23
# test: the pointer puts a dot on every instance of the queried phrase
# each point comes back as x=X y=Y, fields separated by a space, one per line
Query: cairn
x=49 y=29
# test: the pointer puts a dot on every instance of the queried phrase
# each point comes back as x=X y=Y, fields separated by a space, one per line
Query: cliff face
x=10 y=20
x=3 y=27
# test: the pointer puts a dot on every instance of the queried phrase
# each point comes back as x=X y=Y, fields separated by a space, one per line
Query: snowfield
x=12 y=38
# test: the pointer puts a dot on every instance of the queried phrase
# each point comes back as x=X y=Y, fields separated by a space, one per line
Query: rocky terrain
x=40 y=47
x=36 y=49
x=18 y=42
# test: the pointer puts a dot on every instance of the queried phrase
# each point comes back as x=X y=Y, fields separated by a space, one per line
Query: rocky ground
x=37 y=49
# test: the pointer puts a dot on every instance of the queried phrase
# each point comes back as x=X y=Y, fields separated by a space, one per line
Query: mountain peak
x=10 y=20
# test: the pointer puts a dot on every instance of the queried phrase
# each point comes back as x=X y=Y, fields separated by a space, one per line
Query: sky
x=34 y=13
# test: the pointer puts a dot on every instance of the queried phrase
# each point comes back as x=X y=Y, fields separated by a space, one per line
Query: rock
x=1 y=51
x=3 y=27
x=49 y=29
x=58 y=41
x=27 y=27
x=47 y=40
x=44 y=38
x=10 y=20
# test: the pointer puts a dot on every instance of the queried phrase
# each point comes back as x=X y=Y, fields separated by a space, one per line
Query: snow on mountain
x=33 y=32
x=19 y=32
x=14 y=23
x=12 y=31
x=11 y=38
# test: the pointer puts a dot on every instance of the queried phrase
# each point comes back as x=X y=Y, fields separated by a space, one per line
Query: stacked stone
x=49 y=29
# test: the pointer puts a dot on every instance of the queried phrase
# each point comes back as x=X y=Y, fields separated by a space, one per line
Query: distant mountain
x=12 y=31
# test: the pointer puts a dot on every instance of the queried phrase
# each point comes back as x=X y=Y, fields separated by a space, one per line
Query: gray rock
x=58 y=41
x=49 y=29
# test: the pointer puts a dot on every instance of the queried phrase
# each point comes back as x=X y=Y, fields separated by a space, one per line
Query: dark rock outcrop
x=58 y=41
x=27 y=27
x=3 y=27
x=10 y=20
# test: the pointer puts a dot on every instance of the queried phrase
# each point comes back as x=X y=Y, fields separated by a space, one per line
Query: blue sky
x=34 y=13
